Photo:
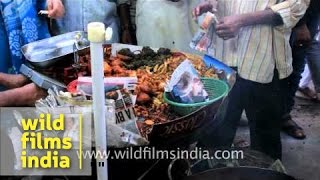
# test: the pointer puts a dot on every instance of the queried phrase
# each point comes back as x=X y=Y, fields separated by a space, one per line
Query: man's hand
x=204 y=7
x=229 y=27
x=23 y=96
x=303 y=36
x=55 y=9
x=13 y=80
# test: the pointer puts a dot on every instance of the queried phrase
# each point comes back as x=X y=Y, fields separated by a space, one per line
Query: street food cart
x=59 y=61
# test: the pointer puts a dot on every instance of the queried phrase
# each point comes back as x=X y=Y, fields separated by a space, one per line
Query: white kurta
x=162 y=23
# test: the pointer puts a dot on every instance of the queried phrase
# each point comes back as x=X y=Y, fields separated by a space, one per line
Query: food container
x=183 y=131
x=41 y=80
x=46 y=52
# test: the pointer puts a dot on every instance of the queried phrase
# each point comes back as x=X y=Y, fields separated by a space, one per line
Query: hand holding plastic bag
x=203 y=40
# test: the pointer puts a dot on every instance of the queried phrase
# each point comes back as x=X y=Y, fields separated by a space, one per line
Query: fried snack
x=152 y=79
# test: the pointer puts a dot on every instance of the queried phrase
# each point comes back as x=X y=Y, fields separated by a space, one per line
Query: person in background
x=166 y=23
x=306 y=85
x=20 y=25
x=127 y=14
x=304 y=47
x=253 y=36
x=79 y=13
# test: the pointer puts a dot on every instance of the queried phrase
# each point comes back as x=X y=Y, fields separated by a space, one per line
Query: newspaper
x=185 y=85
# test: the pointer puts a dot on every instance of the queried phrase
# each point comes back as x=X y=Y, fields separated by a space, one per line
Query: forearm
x=267 y=17
x=12 y=80
x=23 y=96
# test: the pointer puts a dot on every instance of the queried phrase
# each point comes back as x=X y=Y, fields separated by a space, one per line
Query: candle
x=96 y=36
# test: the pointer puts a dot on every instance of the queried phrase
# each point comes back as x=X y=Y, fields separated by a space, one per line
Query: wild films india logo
x=48 y=144
x=36 y=139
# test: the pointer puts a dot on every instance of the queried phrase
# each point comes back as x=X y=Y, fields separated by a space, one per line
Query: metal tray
x=185 y=130
x=45 y=52
x=41 y=80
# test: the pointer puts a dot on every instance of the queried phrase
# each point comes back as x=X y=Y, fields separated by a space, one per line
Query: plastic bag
x=203 y=40
x=120 y=116
x=185 y=85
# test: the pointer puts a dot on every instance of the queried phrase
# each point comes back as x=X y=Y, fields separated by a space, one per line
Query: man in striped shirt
x=253 y=36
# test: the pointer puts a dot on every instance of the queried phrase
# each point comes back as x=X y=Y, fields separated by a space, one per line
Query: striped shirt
x=258 y=50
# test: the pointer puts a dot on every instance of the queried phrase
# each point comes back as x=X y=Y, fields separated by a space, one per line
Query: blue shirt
x=78 y=14
x=19 y=25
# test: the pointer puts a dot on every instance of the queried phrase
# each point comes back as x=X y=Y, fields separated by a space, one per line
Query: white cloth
x=162 y=23
x=306 y=80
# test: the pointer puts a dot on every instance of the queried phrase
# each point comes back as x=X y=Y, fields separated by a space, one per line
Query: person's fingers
x=220 y=23
x=222 y=27
x=223 y=35
x=50 y=8
x=50 y=5
x=228 y=37
x=61 y=11
x=195 y=12
x=55 y=9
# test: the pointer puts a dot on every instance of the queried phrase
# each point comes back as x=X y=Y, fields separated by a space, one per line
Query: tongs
x=79 y=40
x=76 y=55
x=45 y=13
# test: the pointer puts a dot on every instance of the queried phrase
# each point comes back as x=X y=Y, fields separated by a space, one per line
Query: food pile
x=153 y=70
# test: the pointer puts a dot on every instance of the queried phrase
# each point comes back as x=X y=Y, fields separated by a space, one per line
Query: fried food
x=153 y=70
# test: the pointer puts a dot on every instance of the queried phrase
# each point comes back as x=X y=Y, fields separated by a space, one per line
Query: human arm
x=301 y=30
x=282 y=16
x=302 y=35
x=203 y=7
x=55 y=9
x=23 y=96
x=12 y=80
x=229 y=26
